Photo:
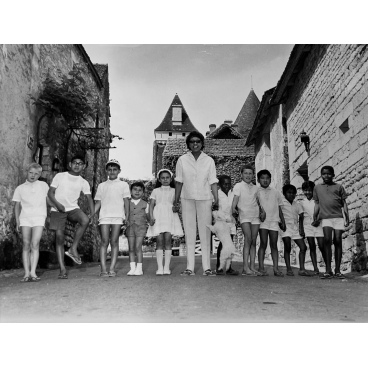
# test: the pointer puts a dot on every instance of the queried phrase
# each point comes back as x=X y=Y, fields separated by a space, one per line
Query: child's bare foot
x=255 y=271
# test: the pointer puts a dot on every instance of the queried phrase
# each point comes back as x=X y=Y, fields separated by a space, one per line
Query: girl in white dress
x=163 y=221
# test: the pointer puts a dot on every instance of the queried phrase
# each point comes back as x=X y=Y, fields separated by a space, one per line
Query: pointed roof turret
x=176 y=121
x=247 y=114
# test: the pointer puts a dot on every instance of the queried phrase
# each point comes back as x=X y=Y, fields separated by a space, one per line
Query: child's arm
x=91 y=207
x=97 y=207
x=17 y=210
x=57 y=205
x=126 y=208
x=49 y=203
x=178 y=188
x=262 y=212
x=152 y=205
x=215 y=205
x=315 y=215
x=346 y=213
x=282 y=224
x=301 y=225
x=233 y=206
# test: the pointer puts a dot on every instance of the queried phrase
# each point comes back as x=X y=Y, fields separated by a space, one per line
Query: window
x=176 y=116
x=170 y=134
x=344 y=127
x=183 y=134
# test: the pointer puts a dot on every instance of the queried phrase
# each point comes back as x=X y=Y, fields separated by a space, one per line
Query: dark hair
x=246 y=167
x=263 y=172
x=112 y=164
x=328 y=168
x=158 y=183
x=137 y=184
x=286 y=187
x=222 y=179
x=308 y=185
x=78 y=156
x=195 y=134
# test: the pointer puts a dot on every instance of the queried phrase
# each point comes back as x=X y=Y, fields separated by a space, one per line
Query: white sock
x=132 y=266
x=139 y=267
x=160 y=258
x=167 y=259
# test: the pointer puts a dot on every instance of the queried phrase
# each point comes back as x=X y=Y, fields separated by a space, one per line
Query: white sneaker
x=138 y=272
x=159 y=272
x=131 y=272
x=167 y=272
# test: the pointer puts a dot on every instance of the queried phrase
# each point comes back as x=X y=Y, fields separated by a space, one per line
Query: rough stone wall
x=331 y=89
x=22 y=72
x=157 y=162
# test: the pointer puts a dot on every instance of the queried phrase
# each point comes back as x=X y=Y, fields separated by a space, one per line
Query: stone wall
x=329 y=101
x=23 y=69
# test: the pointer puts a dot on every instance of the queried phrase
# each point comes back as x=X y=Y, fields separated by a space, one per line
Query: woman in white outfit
x=196 y=186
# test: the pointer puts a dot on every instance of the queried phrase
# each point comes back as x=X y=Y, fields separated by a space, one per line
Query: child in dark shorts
x=64 y=193
x=137 y=221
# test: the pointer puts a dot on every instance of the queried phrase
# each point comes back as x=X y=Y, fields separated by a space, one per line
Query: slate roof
x=213 y=147
x=225 y=131
x=247 y=114
x=167 y=125
x=101 y=69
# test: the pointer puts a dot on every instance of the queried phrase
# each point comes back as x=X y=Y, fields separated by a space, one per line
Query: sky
x=212 y=81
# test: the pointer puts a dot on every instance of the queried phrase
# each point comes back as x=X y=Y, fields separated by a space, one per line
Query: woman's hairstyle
x=329 y=168
x=137 y=184
x=286 y=187
x=197 y=135
x=222 y=179
x=308 y=185
x=263 y=172
x=158 y=183
x=246 y=167
x=34 y=165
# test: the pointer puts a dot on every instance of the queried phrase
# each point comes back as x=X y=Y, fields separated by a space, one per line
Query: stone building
x=24 y=134
x=323 y=92
x=175 y=124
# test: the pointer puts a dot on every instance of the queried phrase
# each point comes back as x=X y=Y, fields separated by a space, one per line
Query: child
x=309 y=231
x=245 y=198
x=292 y=211
x=330 y=199
x=30 y=214
x=137 y=214
x=225 y=196
x=271 y=201
x=64 y=193
x=112 y=202
x=163 y=221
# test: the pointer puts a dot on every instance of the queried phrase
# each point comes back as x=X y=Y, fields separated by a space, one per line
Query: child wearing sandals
x=311 y=232
x=292 y=213
x=163 y=221
x=271 y=201
x=30 y=214
x=112 y=201
x=330 y=200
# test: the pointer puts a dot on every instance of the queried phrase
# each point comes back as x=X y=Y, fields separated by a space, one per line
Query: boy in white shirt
x=64 y=193
x=271 y=201
x=292 y=212
x=309 y=231
x=111 y=200
x=30 y=214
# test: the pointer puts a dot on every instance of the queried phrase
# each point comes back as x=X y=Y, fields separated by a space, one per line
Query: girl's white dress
x=166 y=219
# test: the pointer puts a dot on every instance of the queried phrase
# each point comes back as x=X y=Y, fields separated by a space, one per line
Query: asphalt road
x=85 y=297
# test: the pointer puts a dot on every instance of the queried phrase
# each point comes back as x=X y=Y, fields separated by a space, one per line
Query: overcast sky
x=212 y=82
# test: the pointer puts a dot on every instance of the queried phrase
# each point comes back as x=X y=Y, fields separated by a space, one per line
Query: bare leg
x=253 y=244
x=287 y=251
x=60 y=238
x=105 y=235
x=274 y=251
x=160 y=242
x=131 y=243
x=327 y=232
x=338 y=249
x=263 y=235
x=27 y=236
x=35 y=252
x=320 y=241
x=114 y=241
x=138 y=248
x=83 y=221
x=218 y=255
x=313 y=253
x=302 y=251
x=247 y=231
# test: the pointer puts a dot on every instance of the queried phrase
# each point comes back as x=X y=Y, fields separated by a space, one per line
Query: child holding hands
x=163 y=221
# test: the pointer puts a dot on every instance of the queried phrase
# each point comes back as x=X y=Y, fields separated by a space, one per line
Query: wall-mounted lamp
x=56 y=164
x=305 y=139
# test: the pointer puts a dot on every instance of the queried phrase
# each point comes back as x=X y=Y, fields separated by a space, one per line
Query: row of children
x=260 y=209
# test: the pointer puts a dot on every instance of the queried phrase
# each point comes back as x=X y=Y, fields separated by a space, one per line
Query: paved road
x=85 y=297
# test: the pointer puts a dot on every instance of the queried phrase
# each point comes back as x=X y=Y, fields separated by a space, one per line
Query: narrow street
x=85 y=297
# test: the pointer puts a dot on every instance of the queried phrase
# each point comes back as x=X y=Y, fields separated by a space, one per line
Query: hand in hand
x=176 y=207
x=262 y=216
x=346 y=223
x=18 y=227
x=90 y=220
x=215 y=206
x=282 y=226
x=302 y=233
x=152 y=221
x=315 y=223
x=60 y=208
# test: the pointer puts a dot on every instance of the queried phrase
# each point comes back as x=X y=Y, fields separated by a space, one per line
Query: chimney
x=207 y=133
x=235 y=126
x=212 y=127
x=228 y=122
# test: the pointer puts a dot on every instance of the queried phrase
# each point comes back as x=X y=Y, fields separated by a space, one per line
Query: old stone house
x=25 y=137
x=322 y=95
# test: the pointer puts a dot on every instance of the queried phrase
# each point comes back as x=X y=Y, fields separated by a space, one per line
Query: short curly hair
x=195 y=134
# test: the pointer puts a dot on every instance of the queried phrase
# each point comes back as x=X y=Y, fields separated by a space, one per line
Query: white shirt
x=32 y=197
x=291 y=212
x=308 y=210
x=68 y=189
x=225 y=203
x=247 y=204
x=111 y=193
x=197 y=176
x=270 y=199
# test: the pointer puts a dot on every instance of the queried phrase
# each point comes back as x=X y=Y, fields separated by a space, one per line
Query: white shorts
x=111 y=221
x=335 y=223
x=313 y=232
x=252 y=220
x=291 y=232
x=32 y=221
x=270 y=225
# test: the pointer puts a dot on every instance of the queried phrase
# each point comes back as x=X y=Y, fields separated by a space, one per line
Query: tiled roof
x=101 y=69
x=225 y=131
x=213 y=147
x=167 y=125
x=247 y=114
